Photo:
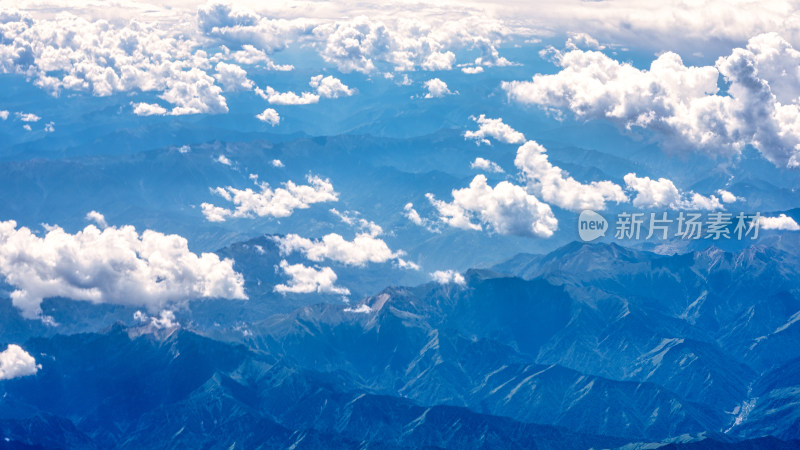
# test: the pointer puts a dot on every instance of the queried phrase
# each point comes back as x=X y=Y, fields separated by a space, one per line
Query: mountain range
x=590 y=346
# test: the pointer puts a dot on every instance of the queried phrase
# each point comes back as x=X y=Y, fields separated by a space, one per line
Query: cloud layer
x=683 y=105
x=525 y=210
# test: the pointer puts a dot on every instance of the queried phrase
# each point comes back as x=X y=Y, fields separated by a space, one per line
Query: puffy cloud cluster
x=494 y=128
x=708 y=26
x=448 y=277
x=278 y=202
x=555 y=186
x=232 y=77
x=472 y=70
x=485 y=164
x=306 y=280
x=405 y=43
x=548 y=182
x=165 y=320
x=764 y=87
x=148 y=109
x=525 y=210
x=506 y=209
x=583 y=40
x=388 y=38
x=663 y=193
x=103 y=58
x=222 y=159
x=241 y=28
x=782 y=222
x=16 y=362
x=330 y=87
x=189 y=68
x=250 y=55
x=363 y=249
x=437 y=88
x=366 y=247
x=325 y=87
x=727 y=196
x=681 y=104
x=97 y=218
x=115 y=265
x=271 y=117
x=287 y=98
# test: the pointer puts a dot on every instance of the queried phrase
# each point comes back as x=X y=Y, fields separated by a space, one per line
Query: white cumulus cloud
x=97 y=218
x=662 y=193
x=494 y=128
x=364 y=248
x=472 y=70
x=782 y=222
x=251 y=55
x=16 y=362
x=278 y=202
x=232 y=77
x=554 y=185
x=306 y=280
x=506 y=209
x=165 y=320
x=683 y=104
x=407 y=41
x=727 y=196
x=222 y=159
x=287 y=98
x=485 y=164
x=115 y=265
x=67 y=52
x=447 y=277
x=436 y=88
x=148 y=109
x=330 y=87
x=360 y=309
x=271 y=117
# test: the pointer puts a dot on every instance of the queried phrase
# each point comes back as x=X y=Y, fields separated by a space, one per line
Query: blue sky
x=138 y=139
